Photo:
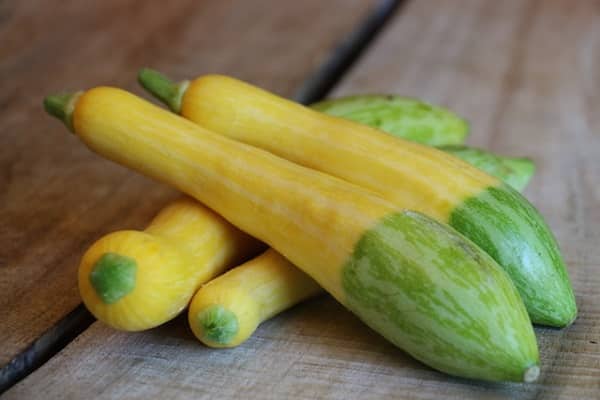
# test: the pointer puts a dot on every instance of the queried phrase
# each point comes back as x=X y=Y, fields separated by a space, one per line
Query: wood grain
x=525 y=74
x=317 y=350
x=55 y=196
x=527 y=88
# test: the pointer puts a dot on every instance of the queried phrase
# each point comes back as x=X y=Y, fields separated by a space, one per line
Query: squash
x=414 y=120
x=411 y=176
x=417 y=282
x=227 y=310
x=136 y=280
x=404 y=117
x=514 y=171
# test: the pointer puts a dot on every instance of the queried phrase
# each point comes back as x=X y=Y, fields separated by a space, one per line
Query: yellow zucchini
x=227 y=310
x=419 y=283
x=136 y=280
x=412 y=176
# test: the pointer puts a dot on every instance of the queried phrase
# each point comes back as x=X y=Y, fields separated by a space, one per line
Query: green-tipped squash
x=403 y=117
x=136 y=280
x=423 y=123
x=419 y=283
x=227 y=310
x=411 y=176
x=514 y=171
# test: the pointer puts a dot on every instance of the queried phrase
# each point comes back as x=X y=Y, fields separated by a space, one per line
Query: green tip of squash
x=531 y=374
x=523 y=168
x=404 y=117
x=161 y=87
x=516 y=172
x=218 y=324
x=537 y=269
x=61 y=106
x=113 y=277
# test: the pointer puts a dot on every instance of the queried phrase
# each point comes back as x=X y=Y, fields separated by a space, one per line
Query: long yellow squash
x=419 y=283
x=136 y=280
x=412 y=176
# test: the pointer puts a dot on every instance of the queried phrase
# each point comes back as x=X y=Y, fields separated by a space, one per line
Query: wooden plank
x=523 y=73
x=56 y=196
x=314 y=351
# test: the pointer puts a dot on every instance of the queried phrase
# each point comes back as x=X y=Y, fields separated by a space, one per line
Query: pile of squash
x=374 y=199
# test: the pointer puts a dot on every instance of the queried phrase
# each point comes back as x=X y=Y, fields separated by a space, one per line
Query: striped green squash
x=419 y=283
x=409 y=175
x=404 y=117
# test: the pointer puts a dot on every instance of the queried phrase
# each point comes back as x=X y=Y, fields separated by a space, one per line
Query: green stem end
x=62 y=106
x=113 y=277
x=218 y=325
x=163 y=88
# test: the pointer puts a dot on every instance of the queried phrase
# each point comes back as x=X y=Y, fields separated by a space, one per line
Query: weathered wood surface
x=525 y=74
x=56 y=197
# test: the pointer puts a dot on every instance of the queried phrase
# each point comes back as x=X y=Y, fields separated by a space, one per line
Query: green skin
x=404 y=117
x=439 y=297
x=113 y=277
x=530 y=254
x=516 y=172
x=501 y=222
x=427 y=289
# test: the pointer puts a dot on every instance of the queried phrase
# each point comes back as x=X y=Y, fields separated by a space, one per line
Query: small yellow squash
x=227 y=310
x=136 y=280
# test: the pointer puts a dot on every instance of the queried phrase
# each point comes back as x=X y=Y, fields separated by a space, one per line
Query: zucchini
x=136 y=280
x=514 y=171
x=403 y=117
x=227 y=310
x=414 y=177
x=418 y=282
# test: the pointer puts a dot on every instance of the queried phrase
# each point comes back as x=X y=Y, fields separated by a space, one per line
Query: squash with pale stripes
x=403 y=117
x=415 y=177
x=136 y=280
x=419 y=283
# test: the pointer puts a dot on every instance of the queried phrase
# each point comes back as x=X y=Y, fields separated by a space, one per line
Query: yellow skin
x=246 y=296
x=362 y=249
x=271 y=198
x=184 y=246
x=412 y=176
x=312 y=139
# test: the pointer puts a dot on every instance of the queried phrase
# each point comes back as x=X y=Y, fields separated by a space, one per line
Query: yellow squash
x=419 y=283
x=412 y=176
x=227 y=310
x=135 y=280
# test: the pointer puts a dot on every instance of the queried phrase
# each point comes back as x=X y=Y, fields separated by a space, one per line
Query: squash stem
x=163 y=88
x=219 y=325
x=113 y=277
x=61 y=106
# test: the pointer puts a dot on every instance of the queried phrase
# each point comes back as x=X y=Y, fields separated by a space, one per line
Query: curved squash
x=419 y=283
x=415 y=177
x=402 y=117
x=136 y=280
x=227 y=310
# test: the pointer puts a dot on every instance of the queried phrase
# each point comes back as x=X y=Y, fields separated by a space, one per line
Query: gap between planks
x=318 y=85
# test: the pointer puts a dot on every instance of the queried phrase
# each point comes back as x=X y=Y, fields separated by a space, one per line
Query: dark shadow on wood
x=47 y=345
x=317 y=86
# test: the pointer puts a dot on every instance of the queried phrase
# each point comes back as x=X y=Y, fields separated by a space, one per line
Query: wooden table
x=525 y=74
